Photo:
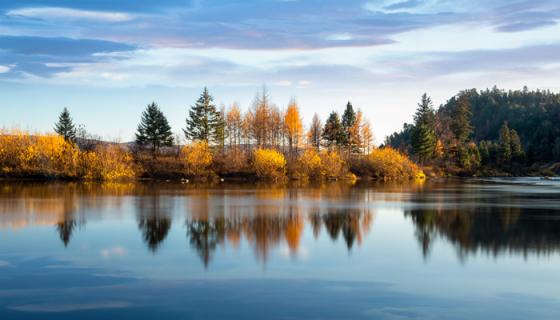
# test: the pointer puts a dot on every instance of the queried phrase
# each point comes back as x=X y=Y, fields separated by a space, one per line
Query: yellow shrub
x=198 y=158
x=269 y=164
x=309 y=165
x=22 y=154
x=332 y=164
x=108 y=163
x=389 y=164
x=26 y=155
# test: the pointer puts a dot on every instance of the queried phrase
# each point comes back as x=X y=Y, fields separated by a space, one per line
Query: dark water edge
x=441 y=249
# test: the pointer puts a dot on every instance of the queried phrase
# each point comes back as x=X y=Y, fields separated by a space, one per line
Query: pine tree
x=220 y=132
x=424 y=138
x=315 y=132
x=154 y=130
x=333 y=133
x=348 y=120
x=203 y=119
x=461 y=120
x=65 y=126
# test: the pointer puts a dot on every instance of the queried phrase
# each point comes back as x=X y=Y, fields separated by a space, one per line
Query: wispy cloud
x=45 y=13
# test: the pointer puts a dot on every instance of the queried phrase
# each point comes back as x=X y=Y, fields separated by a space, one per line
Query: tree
x=234 y=125
x=517 y=151
x=203 y=119
x=354 y=133
x=505 y=144
x=220 y=133
x=367 y=136
x=315 y=132
x=294 y=128
x=261 y=124
x=461 y=120
x=423 y=135
x=333 y=133
x=348 y=120
x=65 y=126
x=154 y=129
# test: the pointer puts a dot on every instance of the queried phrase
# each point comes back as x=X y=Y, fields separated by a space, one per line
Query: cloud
x=113 y=252
x=46 y=13
x=43 y=57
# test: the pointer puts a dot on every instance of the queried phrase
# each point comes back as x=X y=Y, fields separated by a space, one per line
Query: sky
x=107 y=59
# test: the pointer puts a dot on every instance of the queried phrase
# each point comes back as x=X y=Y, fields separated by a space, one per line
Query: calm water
x=441 y=250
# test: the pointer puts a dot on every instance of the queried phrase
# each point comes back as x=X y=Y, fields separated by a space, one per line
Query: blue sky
x=107 y=59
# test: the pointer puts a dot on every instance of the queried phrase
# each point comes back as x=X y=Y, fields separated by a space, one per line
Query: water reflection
x=473 y=218
x=489 y=230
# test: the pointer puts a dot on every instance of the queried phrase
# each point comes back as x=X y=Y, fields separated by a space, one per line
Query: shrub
x=308 y=165
x=198 y=158
x=389 y=164
x=109 y=163
x=22 y=154
x=333 y=166
x=233 y=161
x=269 y=164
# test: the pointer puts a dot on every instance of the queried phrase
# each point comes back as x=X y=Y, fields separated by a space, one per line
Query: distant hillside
x=534 y=115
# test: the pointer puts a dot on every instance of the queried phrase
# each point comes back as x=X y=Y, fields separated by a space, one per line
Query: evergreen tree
x=348 y=120
x=461 y=120
x=505 y=144
x=65 y=126
x=154 y=130
x=424 y=137
x=333 y=133
x=315 y=132
x=203 y=119
x=220 y=132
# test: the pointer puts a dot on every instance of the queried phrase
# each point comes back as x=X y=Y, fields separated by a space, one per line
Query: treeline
x=489 y=132
x=264 y=142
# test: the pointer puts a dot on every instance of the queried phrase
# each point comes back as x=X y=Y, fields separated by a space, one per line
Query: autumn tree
x=354 y=133
x=294 y=128
x=65 y=126
x=333 y=132
x=315 y=132
x=367 y=136
x=423 y=135
x=260 y=124
x=234 y=124
x=203 y=119
x=154 y=130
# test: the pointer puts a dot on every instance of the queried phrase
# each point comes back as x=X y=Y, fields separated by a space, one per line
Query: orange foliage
x=108 y=163
x=389 y=164
x=26 y=155
x=309 y=165
x=292 y=121
x=198 y=158
x=269 y=164
x=332 y=164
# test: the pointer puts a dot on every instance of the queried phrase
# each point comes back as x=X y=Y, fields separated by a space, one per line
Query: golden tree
x=294 y=128
x=367 y=137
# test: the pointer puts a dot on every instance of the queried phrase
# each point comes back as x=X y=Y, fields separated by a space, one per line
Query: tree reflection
x=265 y=231
x=493 y=230
x=154 y=219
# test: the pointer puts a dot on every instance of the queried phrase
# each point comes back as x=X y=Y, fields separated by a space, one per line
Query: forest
x=475 y=133
x=485 y=133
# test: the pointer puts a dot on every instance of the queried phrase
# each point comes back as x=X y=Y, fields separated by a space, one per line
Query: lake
x=458 y=249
